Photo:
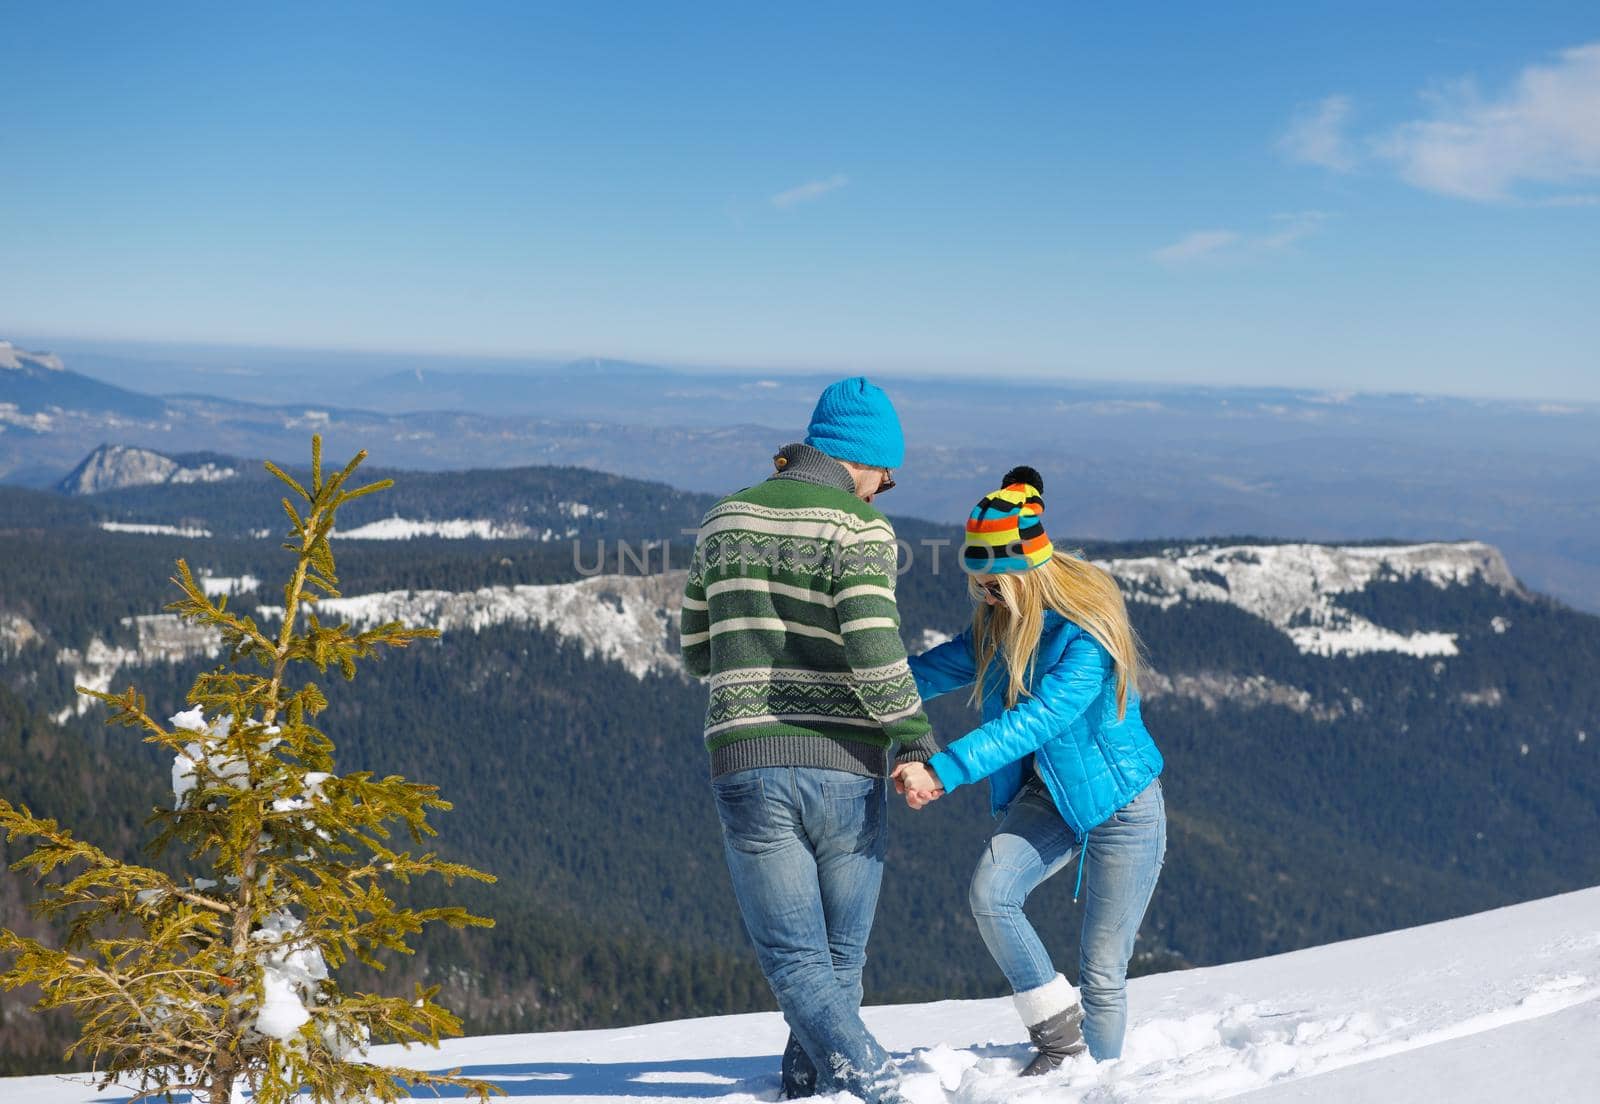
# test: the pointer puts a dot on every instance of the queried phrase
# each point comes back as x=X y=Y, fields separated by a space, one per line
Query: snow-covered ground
x=154 y=530
x=215 y=585
x=1499 y=1007
x=399 y=528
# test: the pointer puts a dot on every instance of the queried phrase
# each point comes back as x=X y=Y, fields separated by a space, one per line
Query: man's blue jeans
x=805 y=850
x=1121 y=865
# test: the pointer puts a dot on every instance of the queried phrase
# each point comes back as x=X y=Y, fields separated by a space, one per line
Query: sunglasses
x=992 y=590
x=888 y=482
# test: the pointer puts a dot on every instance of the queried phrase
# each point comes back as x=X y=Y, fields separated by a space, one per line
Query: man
x=790 y=611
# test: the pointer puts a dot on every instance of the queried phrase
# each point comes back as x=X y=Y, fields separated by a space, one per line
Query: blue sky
x=1341 y=195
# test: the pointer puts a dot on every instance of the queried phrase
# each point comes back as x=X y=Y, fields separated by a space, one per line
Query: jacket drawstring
x=1082 y=850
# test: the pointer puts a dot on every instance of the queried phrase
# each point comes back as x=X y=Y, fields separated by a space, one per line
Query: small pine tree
x=200 y=984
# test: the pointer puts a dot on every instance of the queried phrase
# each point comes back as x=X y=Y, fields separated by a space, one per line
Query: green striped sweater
x=790 y=611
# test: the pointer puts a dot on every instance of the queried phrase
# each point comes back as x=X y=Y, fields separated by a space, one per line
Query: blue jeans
x=1121 y=865
x=805 y=850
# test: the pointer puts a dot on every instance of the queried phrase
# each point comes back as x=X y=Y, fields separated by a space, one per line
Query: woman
x=1054 y=662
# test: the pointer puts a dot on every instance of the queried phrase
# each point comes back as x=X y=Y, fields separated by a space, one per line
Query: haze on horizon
x=207 y=367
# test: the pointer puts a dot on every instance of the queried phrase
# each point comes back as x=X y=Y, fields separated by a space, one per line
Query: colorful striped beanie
x=1005 y=533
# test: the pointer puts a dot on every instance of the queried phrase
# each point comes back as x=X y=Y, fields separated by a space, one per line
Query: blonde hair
x=1072 y=587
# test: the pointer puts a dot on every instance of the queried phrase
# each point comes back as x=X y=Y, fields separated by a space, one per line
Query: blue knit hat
x=856 y=421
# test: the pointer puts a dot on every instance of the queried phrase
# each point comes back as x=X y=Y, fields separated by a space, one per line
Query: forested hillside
x=1312 y=796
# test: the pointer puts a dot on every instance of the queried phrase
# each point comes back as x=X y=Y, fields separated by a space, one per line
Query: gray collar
x=812 y=465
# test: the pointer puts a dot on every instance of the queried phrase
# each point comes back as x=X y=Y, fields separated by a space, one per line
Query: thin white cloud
x=1530 y=143
x=1316 y=135
x=1109 y=407
x=1291 y=228
x=1212 y=245
x=1581 y=200
x=808 y=192
x=1193 y=246
x=1544 y=130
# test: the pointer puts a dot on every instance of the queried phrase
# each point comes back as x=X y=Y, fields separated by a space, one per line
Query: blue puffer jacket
x=1092 y=763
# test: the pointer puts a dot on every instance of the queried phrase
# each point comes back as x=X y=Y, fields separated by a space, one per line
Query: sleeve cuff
x=948 y=770
x=925 y=747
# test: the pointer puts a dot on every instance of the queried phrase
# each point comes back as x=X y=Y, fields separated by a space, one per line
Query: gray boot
x=1054 y=1019
x=1057 y=1039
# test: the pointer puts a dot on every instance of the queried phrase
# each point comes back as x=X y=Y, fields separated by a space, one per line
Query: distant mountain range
x=1124 y=461
x=136 y=490
x=39 y=396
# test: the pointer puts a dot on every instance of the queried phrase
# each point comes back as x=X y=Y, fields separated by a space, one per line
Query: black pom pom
x=1024 y=474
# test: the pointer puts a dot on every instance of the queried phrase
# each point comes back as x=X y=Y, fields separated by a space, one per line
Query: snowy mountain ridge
x=632 y=619
x=110 y=467
x=14 y=359
x=627 y=619
x=1295 y=587
x=1501 y=1005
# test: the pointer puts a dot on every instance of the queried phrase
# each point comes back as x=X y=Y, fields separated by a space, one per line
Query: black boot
x=799 y=1074
x=1057 y=1039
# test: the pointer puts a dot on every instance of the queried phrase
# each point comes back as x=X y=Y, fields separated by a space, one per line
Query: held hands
x=918 y=783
